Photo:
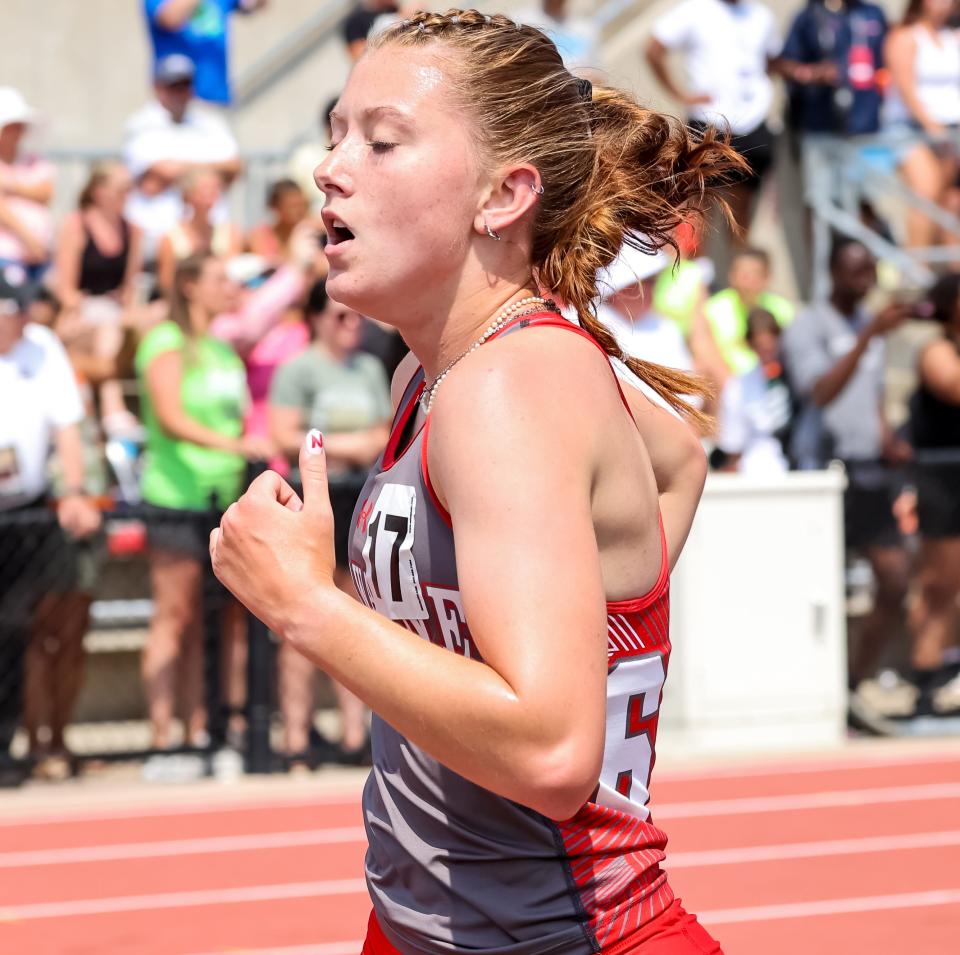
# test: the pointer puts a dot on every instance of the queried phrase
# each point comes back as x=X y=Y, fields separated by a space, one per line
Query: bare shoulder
x=530 y=377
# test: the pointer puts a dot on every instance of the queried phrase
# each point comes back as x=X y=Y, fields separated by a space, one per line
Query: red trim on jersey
x=391 y=453
x=552 y=320
x=425 y=474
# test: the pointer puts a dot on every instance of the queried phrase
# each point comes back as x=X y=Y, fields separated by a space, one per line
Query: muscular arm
x=532 y=590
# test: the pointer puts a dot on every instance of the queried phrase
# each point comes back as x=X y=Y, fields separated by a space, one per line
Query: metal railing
x=840 y=174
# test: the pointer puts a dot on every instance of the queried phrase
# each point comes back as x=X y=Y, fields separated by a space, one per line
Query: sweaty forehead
x=394 y=78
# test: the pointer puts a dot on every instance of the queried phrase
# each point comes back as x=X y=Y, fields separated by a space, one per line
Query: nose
x=335 y=173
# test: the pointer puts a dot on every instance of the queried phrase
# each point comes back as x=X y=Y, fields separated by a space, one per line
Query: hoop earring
x=537 y=190
x=490 y=232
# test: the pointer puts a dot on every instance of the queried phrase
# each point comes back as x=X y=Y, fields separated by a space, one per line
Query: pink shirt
x=263 y=343
x=35 y=216
x=279 y=345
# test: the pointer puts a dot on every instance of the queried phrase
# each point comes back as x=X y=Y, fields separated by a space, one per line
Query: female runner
x=513 y=544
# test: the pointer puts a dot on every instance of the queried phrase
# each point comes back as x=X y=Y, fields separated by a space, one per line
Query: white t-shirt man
x=36 y=380
x=726 y=46
x=152 y=136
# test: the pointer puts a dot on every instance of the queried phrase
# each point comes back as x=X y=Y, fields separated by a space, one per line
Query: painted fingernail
x=314 y=442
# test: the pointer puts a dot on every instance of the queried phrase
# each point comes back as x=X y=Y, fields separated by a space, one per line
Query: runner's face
x=402 y=183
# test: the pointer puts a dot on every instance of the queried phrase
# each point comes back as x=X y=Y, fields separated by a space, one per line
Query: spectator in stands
x=344 y=393
x=729 y=47
x=199 y=30
x=96 y=270
x=922 y=107
x=198 y=232
x=37 y=554
x=55 y=655
x=26 y=188
x=626 y=310
x=835 y=358
x=749 y=280
x=166 y=139
x=576 y=37
x=267 y=329
x=194 y=395
x=356 y=27
x=935 y=429
x=756 y=406
x=832 y=59
x=289 y=207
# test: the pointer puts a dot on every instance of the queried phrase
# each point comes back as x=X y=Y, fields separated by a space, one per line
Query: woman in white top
x=923 y=105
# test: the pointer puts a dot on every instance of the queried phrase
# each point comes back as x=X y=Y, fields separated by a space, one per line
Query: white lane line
x=205 y=808
x=357 y=836
x=324 y=948
x=177 y=847
x=821 y=800
x=794 y=910
x=804 y=766
x=180 y=900
x=813 y=850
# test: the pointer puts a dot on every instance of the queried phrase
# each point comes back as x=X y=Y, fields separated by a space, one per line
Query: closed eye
x=378 y=146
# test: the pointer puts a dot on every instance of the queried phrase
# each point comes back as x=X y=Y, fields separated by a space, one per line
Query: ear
x=512 y=195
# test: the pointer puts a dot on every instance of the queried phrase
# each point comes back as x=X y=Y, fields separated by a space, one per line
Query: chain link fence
x=82 y=637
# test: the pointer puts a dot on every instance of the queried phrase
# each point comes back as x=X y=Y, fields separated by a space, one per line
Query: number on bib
x=390 y=578
x=633 y=702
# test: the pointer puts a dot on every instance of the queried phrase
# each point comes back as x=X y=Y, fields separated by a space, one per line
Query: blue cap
x=174 y=68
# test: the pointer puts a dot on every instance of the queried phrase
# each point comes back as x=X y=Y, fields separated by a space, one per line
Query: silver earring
x=538 y=190
x=491 y=233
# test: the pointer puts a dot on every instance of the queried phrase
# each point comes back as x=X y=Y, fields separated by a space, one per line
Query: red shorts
x=673 y=932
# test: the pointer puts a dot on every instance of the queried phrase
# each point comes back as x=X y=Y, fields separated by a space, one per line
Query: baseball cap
x=631 y=267
x=14 y=108
x=16 y=290
x=174 y=68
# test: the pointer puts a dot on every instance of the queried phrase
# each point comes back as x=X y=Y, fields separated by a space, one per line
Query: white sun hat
x=14 y=108
x=630 y=267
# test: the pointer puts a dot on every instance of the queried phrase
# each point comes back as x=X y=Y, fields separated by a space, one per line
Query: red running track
x=858 y=856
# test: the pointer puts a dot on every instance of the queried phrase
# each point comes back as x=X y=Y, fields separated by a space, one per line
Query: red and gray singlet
x=452 y=866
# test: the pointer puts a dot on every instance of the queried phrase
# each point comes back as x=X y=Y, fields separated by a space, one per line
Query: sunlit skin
x=405 y=178
x=512 y=446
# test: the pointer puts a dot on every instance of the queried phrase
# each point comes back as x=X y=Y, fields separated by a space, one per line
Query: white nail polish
x=314 y=442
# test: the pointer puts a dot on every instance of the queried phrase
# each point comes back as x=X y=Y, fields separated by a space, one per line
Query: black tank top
x=935 y=423
x=101 y=274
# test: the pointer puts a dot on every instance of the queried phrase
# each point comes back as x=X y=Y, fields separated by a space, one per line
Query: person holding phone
x=835 y=357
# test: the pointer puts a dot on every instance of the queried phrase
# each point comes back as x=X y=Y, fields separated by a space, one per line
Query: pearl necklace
x=503 y=317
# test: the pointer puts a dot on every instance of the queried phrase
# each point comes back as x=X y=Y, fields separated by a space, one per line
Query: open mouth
x=337 y=230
